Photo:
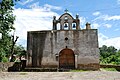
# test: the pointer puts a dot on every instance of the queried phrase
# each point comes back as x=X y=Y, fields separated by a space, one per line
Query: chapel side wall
x=40 y=49
x=36 y=48
x=49 y=58
x=88 y=57
x=29 y=49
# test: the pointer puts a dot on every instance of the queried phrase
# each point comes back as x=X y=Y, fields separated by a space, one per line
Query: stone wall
x=117 y=67
x=43 y=46
x=5 y=66
x=90 y=66
x=12 y=66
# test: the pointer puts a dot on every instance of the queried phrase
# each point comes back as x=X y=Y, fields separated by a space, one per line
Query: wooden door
x=66 y=59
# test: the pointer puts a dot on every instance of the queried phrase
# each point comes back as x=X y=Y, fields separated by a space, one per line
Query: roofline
x=67 y=14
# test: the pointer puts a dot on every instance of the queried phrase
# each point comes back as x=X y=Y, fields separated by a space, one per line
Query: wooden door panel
x=66 y=59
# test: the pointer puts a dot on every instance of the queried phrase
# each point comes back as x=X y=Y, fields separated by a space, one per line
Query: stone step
x=40 y=70
x=45 y=70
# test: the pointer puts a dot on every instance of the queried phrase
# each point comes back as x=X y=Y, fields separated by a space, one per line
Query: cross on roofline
x=66 y=10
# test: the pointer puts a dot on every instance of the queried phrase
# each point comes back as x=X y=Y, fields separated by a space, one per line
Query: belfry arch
x=66 y=21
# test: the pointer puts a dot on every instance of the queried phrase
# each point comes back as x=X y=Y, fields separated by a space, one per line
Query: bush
x=5 y=59
x=108 y=69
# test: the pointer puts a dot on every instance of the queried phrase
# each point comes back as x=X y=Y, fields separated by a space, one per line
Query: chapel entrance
x=67 y=59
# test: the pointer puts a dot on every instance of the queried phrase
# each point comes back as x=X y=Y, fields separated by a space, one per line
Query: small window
x=66 y=18
x=57 y=55
x=66 y=39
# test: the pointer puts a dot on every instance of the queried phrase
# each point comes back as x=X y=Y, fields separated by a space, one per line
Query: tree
x=109 y=55
x=19 y=50
x=6 y=16
x=6 y=26
x=5 y=46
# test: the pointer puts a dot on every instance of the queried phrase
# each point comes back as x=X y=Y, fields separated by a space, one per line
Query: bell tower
x=67 y=22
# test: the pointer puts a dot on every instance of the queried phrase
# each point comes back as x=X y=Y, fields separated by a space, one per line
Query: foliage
x=6 y=26
x=5 y=59
x=6 y=16
x=108 y=69
x=19 y=50
x=109 y=55
x=77 y=70
x=5 y=46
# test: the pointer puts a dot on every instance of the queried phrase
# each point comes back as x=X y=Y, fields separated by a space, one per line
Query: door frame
x=73 y=55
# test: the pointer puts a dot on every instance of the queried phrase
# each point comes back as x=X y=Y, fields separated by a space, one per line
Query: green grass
x=23 y=73
x=77 y=70
x=102 y=69
x=108 y=69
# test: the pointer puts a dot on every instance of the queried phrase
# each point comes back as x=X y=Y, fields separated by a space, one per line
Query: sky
x=104 y=15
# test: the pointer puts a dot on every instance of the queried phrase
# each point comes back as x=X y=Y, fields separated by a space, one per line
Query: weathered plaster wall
x=43 y=46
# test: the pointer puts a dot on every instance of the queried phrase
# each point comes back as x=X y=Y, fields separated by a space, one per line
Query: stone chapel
x=66 y=46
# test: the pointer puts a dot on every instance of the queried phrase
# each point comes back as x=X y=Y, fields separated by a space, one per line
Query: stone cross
x=66 y=10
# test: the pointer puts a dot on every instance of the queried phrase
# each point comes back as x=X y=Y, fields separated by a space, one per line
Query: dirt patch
x=87 y=75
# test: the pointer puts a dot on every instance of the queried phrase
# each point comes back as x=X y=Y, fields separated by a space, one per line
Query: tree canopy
x=109 y=55
x=7 y=19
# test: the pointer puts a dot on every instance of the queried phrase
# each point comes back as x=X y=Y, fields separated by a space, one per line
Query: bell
x=74 y=25
x=65 y=26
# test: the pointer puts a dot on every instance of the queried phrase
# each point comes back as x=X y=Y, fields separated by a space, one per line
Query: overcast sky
x=103 y=15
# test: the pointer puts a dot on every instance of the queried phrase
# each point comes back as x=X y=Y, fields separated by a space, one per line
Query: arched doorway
x=67 y=59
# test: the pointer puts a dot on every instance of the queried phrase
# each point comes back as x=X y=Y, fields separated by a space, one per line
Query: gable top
x=66 y=15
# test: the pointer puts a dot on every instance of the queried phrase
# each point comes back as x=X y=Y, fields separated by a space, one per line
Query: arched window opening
x=66 y=26
x=66 y=18
x=74 y=26
x=58 y=26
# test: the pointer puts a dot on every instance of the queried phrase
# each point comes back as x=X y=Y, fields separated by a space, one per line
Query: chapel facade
x=66 y=46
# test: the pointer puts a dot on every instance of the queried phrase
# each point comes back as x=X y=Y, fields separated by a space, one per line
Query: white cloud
x=118 y=1
x=117 y=29
x=107 y=25
x=101 y=39
x=23 y=2
x=96 y=13
x=107 y=17
x=104 y=40
x=101 y=17
x=34 y=5
x=95 y=25
x=45 y=7
x=82 y=21
x=31 y=20
x=116 y=17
